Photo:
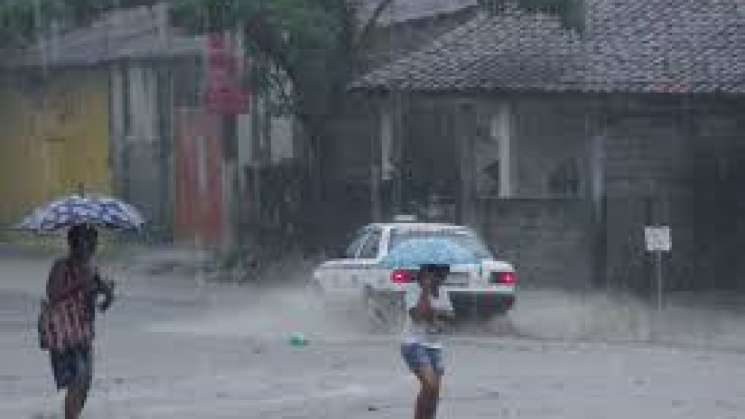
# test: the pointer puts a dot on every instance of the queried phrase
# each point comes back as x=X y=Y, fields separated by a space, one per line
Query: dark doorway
x=720 y=216
x=430 y=171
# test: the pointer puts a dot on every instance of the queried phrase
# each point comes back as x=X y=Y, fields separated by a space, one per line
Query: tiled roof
x=655 y=46
x=122 y=34
x=135 y=33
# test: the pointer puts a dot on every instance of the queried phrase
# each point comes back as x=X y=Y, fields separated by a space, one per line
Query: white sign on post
x=658 y=238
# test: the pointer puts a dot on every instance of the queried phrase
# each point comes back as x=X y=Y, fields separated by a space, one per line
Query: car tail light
x=402 y=276
x=503 y=278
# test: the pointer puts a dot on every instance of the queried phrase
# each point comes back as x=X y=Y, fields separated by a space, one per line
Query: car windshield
x=464 y=237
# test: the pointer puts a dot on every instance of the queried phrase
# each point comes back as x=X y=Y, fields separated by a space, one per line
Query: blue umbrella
x=84 y=209
x=413 y=253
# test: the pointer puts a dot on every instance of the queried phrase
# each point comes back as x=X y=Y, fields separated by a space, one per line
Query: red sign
x=224 y=93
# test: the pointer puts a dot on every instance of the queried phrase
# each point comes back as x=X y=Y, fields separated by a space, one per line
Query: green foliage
x=311 y=43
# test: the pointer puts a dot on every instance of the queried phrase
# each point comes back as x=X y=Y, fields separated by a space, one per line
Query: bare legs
x=429 y=394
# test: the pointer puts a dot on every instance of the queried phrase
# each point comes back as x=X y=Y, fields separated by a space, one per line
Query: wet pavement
x=174 y=346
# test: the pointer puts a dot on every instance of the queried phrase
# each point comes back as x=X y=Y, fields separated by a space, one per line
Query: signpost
x=658 y=241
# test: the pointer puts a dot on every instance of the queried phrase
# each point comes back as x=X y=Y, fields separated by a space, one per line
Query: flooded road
x=172 y=347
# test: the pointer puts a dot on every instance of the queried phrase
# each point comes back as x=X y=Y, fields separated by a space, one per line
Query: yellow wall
x=52 y=137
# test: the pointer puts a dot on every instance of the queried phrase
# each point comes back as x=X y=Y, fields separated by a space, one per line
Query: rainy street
x=175 y=347
x=280 y=192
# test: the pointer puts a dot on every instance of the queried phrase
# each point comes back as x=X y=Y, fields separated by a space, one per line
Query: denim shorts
x=416 y=355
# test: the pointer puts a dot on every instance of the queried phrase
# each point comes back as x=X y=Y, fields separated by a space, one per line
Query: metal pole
x=658 y=261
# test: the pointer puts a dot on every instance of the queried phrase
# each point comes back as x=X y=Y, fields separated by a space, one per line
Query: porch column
x=395 y=152
x=380 y=165
x=465 y=132
x=595 y=132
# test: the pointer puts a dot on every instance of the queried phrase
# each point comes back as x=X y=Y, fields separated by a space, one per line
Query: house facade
x=147 y=126
x=561 y=146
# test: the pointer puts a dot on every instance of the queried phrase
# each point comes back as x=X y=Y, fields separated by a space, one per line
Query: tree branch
x=371 y=22
x=280 y=85
x=263 y=38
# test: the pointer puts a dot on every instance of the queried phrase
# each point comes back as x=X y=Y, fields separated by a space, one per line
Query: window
x=372 y=245
x=492 y=153
x=464 y=237
x=351 y=251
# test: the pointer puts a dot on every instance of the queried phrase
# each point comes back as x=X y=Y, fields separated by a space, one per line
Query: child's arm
x=419 y=305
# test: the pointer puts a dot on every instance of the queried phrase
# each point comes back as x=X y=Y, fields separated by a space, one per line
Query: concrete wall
x=548 y=240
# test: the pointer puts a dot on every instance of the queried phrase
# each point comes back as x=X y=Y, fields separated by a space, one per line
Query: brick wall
x=548 y=240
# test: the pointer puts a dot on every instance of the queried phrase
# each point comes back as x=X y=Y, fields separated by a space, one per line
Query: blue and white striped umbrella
x=413 y=253
x=84 y=209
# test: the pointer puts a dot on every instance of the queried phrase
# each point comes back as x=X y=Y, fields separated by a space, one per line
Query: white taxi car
x=482 y=290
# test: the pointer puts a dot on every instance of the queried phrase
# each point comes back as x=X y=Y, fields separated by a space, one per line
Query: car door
x=367 y=259
x=335 y=275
